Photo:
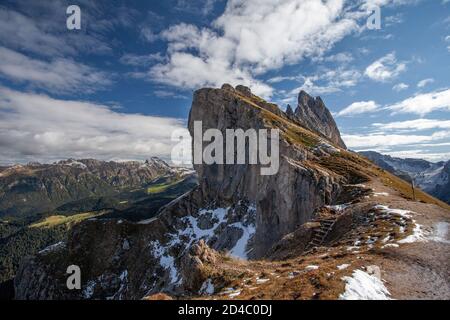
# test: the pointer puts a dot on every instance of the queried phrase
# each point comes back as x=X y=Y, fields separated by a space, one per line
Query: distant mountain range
x=74 y=185
x=40 y=203
x=434 y=178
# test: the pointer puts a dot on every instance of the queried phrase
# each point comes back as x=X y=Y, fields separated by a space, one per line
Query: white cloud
x=43 y=33
x=394 y=19
x=385 y=68
x=203 y=7
x=359 y=108
x=278 y=79
x=425 y=82
x=372 y=3
x=400 y=87
x=250 y=38
x=343 y=57
x=57 y=75
x=148 y=35
x=420 y=154
x=328 y=81
x=38 y=127
x=311 y=87
x=189 y=72
x=168 y=94
x=418 y=124
x=27 y=35
x=141 y=60
x=382 y=140
x=424 y=103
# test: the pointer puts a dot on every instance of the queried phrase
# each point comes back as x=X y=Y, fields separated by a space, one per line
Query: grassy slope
x=53 y=221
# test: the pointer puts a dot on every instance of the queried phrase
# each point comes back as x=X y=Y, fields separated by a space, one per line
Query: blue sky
x=119 y=87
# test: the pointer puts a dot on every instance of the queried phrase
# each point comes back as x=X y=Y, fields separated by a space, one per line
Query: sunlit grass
x=56 y=220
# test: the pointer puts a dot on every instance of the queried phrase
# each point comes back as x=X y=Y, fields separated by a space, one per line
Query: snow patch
x=193 y=230
x=440 y=232
x=234 y=294
x=53 y=247
x=343 y=266
x=240 y=248
x=88 y=291
x=381 y=194
x=207 y=287
x=338 y=207
x=147 y=221
x=363 y=286
x=165 y=260
x=417 y=234
x=311 y=267
x=76 y=164
x=261 y=280
x=401 y=212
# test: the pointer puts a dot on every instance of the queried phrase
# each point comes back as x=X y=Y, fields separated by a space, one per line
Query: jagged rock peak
x=289 y=111
x=313 y=114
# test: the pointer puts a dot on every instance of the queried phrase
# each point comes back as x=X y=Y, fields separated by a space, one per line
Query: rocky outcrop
x=314 y=115
x=283 y=200
x=234 y=209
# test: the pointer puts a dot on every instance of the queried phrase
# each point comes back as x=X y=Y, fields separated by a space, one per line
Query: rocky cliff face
x=282 y=201
x=314 y=115
x=234 y=209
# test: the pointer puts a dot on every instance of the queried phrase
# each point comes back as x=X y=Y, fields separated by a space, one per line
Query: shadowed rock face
x=234 y=208
x=314 y=115
x=282 y=201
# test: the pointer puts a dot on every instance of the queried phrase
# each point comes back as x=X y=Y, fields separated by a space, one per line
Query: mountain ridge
x=38 y=188
x=183 y=250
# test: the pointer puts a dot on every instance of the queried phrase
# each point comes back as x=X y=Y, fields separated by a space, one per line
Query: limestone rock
x=314 y=115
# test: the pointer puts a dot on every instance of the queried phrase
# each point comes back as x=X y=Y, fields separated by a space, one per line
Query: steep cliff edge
x=283 y=200
x=234 y=209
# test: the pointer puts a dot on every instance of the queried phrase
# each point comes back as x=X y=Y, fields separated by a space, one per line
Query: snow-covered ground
x=418 y=233
x=363 y=286
x=338 y=207
x=207 y=287
x=165 y=260
x=440 y=232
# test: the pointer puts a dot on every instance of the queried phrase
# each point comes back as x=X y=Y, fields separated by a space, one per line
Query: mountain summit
x=314 y=115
